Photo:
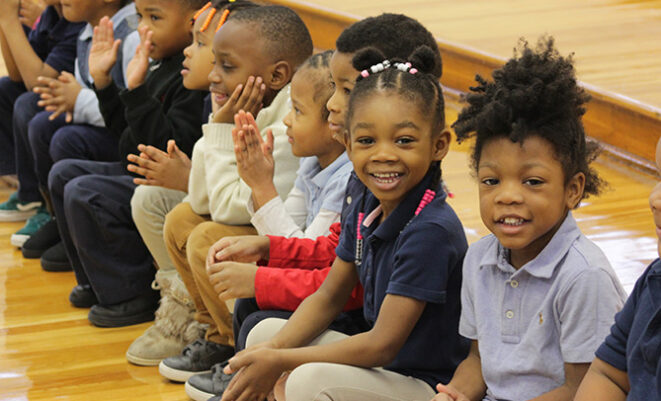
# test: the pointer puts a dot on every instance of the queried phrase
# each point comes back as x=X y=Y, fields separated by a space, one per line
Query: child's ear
x=281 y=73
x=441 y=145
x=574 y=190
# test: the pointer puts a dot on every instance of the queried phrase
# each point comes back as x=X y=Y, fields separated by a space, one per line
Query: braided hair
x=223 y=8
x=534 y=93
x=323 y=90
x=413 y=80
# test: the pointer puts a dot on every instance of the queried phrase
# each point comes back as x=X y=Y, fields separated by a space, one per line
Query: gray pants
x=331 y=381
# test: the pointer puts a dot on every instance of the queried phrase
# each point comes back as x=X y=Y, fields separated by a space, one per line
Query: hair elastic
x=201 y=10
x=385 y=64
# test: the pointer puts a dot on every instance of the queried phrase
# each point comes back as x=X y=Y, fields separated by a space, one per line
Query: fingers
x=154 y=153
x=252 y=95
x=66 y=77
x=268 y=146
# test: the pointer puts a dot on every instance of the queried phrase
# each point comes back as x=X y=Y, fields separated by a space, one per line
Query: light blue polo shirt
x=556 y=309
x=323 y=189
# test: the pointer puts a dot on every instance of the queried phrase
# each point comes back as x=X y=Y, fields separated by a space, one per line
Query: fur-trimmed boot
x=174 y=326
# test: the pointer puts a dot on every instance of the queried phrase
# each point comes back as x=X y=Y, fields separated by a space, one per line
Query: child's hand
x=241 y=248
x=254 y=157
x=448 y=393
x=30 y=11
x=232 y=280
x=103 y=53
x=258 y=371
x=58 y=95
x=248 y=99
x=136 y=70
x=169 y=170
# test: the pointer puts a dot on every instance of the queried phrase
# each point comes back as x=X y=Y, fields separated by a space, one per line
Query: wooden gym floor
x=49 y=351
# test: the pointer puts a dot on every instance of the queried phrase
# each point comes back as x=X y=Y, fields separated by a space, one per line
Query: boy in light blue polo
x=537 y=296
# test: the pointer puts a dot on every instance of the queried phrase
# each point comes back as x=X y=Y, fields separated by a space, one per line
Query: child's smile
x=523 y=196
x=392 y=146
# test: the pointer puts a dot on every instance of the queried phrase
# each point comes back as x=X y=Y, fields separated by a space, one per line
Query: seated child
x=627 y=365
x=46 y=50
x=162 y=187
x=68 y=99
x=401 y=240
x=256 y=51
x=296 y=267
x=538 y=297
x=315 y=202
x=91 y=199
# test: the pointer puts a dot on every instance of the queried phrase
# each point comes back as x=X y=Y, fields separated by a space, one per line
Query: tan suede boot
x=174 y=326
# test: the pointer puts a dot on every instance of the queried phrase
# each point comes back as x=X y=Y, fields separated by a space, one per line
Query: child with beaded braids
x=401 y=240
x=537 y=296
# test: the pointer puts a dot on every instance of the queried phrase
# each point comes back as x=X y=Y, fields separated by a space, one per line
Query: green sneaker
x=33 y=225
x=15 y=210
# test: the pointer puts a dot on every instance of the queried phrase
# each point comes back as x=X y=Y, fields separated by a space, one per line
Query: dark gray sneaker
x=203 y=386
x=197 y=357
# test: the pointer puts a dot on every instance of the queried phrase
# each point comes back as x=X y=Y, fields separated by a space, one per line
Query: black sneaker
x=203 y=386
x=137 y=310
x=39 y=242
x=82 y=296
x=197 y=357
x=55 y=259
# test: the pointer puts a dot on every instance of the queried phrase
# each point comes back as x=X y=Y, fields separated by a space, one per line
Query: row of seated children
x=395 y=181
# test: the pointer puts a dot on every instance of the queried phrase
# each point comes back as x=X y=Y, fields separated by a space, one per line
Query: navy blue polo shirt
x=634 y=345
x=421 y=260
x=54 y=40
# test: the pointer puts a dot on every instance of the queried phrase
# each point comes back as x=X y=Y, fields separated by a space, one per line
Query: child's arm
x=377 y=347
x=574 y=373
x=467 y=382
x=30 y=11
x=603 y=382
x=103 y=53
x=59 y=95
x=23 y=64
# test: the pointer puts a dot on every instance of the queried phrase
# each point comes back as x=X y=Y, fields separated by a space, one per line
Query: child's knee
x=264 y=331
x=307 y=382
x=175 y=237
x=200 y=240
x=145 y=205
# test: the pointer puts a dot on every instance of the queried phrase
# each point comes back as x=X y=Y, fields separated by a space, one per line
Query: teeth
x=512 y=221
x=386 y=175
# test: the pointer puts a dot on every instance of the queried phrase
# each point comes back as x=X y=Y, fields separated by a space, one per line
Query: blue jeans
x=25 y=108
x=92 y=204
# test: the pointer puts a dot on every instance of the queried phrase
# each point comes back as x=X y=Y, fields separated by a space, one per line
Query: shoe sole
x=176 y=375
x=18 y=240
x=17 y=216
x=196 y=394
x=120 y=322
x=136 y=360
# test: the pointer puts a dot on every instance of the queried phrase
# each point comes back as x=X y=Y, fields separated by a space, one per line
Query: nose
x=332 y=104
x=214 y=75
x=508 y=192
x=384 y=152
x=187 y=50
x=287 y=119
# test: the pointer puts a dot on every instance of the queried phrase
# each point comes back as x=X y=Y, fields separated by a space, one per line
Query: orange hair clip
x=201 y=10
x=223 y=18
x=208 y=21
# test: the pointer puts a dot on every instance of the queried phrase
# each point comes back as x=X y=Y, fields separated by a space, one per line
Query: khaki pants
x=188 y=237
x=331 y=381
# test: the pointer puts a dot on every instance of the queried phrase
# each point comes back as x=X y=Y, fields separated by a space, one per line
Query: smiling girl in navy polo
x=402 y=241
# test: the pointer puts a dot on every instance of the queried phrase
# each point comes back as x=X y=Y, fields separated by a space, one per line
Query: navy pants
x=9 y=92
x=247 y=314
x=25 y=108
x=92 y=203
x=56 y=140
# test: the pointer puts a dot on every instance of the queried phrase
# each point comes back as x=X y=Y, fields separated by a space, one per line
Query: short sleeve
x=333 y=193
x=423 y=262
x=63 y=55
x=586 y=311
x=467 y=323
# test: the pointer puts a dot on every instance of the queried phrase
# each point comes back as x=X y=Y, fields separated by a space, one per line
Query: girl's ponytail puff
x=367 y=57
x=426 y=60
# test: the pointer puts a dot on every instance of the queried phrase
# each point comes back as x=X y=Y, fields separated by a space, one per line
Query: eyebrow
x=406 y=124
x=153 y=9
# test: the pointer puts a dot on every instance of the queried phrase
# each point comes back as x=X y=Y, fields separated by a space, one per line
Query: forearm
x=262 y=194
x=12 y=71
x=26 y=61
x=468 y=378
x=603 y=382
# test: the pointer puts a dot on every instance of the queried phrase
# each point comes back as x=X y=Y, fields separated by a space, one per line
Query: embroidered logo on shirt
x=541 y=318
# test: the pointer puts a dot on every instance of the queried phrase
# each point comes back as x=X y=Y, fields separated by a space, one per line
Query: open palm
x=136 y=70
x=103 y=53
